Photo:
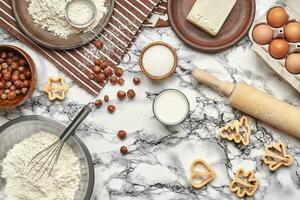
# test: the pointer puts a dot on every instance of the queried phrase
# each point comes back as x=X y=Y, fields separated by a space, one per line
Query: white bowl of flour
x=22 y=138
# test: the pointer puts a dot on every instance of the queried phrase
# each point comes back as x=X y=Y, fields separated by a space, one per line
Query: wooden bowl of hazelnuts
x=17 y=76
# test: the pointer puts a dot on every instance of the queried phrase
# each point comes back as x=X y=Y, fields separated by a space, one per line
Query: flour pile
x=50 y=15
x=62 y=183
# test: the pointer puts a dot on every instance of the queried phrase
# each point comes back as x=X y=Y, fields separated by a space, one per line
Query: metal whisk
x=46 y=159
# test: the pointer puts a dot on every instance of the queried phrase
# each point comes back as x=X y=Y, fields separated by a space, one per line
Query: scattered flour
x=62 y=183
x=50 y=15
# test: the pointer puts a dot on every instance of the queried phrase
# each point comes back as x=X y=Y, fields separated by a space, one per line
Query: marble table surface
x=157 y=166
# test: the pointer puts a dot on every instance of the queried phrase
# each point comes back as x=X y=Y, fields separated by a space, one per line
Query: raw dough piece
x=199 y=179
x=275 y=156
x=244 y=183
x=233 y=130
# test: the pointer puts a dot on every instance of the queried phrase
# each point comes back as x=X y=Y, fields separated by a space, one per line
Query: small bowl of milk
x=171 y=107
x=158 y=60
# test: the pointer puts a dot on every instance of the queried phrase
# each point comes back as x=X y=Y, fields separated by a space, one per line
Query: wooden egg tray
x=278 y=65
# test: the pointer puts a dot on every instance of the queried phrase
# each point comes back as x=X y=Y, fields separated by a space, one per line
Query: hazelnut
x=97 y=69
x=106 y=98
x=121 y=95
x=15 y=77
x=131 y=94
x=18 y=84
x=22 y=77
x=21 y=68
x=122 y=134
x=107 y=71
x=3 y=55
x=22 y=62
x=7 y=76
x=103 y=65
x=1 y=60
x=91 y=76
x=6 y=91
x=113 y=80
x=123 y=150
x=18 y=92
x=10 y=54
x=98 y=44
x=17 y=73
x=121 y=81
x=101 y=77
x=9 y=61
x=136 y=80
x=8 y=84
x=24 y=90
x=3 y=96
x=9 y=69
x=118 y=71
x=98 y=62
x=11 y=95
x=27 y=74
x=4 y=65
x=98 y=103
x=2 y=85
x=16 y=58
x=26 y=83
x=15 y=65
x=12 y=88
x=111 y=108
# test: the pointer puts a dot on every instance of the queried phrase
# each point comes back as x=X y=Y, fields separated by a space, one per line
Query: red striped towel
x=118 y=36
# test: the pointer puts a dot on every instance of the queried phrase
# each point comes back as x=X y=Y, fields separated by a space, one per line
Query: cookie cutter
x=56 y=88
x=275 y=156
x=206 y=176
x=244 y=183
x=233 y=130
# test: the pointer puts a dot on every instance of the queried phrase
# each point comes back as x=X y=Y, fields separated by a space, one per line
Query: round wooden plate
x=45 y=38
x=235 y=27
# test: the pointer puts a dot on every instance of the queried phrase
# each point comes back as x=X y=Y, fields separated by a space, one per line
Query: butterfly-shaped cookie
x=237 y=131
x=275 y=156
x=199 y=178
x=244 y=183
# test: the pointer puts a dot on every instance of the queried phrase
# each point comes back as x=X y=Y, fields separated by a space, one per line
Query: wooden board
x=45 y=38
x=235 y=27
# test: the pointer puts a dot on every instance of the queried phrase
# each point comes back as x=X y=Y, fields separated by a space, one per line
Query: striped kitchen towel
x=121 y=31
x=159 y=17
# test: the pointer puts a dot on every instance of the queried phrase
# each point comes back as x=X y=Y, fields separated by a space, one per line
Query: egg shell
x=292 y=63
x=262 y=34
x=278 y=48
x=292 y=32
x=277 y=17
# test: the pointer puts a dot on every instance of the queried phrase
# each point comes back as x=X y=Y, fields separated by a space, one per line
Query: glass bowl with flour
x=22 y=138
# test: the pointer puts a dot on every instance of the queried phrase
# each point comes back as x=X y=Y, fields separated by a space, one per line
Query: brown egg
x=278 y=48
x=277 y=17
x=292 y=32
x=262 y=34
x=292 y=63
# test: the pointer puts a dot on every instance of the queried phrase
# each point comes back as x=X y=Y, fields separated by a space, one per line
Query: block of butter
x=210 y=15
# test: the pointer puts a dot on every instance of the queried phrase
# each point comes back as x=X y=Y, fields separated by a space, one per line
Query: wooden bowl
x=235 y=27
x=158 y=77
x=10 y=104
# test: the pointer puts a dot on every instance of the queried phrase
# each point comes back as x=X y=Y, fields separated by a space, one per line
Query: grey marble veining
x=158 y=164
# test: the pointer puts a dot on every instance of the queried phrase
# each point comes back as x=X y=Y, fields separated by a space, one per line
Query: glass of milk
x=158 y=60
x=171 y=107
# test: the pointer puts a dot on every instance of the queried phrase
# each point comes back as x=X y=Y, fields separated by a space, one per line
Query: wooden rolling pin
x=255 y=103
